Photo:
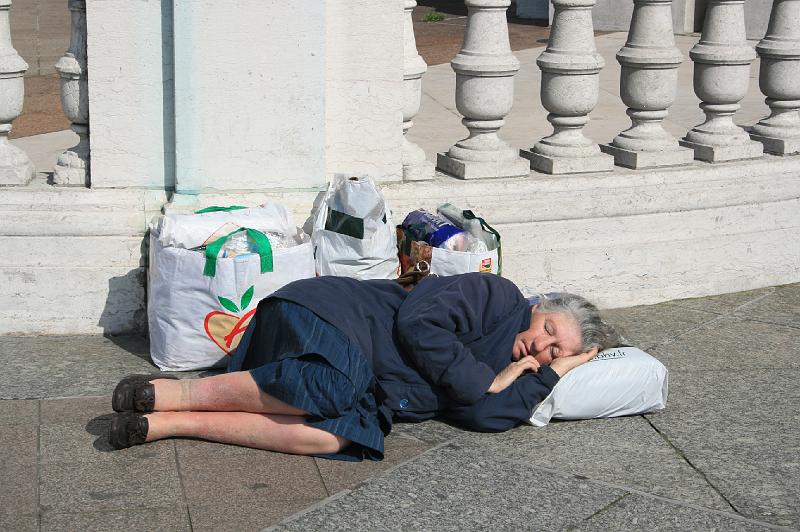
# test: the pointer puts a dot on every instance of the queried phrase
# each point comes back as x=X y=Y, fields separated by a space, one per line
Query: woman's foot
x=127 y=429
x=135 y=393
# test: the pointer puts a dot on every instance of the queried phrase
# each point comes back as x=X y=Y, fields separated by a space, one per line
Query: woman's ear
x=534 y=307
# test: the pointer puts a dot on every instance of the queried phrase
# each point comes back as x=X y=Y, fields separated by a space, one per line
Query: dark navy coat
x=437 y=349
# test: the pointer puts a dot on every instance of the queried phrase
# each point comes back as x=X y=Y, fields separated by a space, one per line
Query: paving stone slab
x=272 y=478
x=338 y=475
x=164 y=520
x=18 y=489
x=781 y=306
x=646 y=326
x=18 y=522
x=99 y=486
x=244 y=517
x=86 y=442
x=18 y=445
x=634 y=512
x=69 y=366
x=65 y=366
x=741 y=429
x=455 y=487
x=624 y=451
x=74 y=410
x=724 y=303
x=19 y=412
x=432 y=431
x=732 y=342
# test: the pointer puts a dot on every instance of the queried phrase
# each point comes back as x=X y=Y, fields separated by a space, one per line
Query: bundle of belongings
x=449 y=241
x=209 y=270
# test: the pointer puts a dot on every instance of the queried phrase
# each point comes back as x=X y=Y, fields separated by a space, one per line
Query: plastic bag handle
x=469 y=215
x=215 y=208
x=262 y=245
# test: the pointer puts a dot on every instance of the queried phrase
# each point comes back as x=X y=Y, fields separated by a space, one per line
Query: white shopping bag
x=206 y=225
x=199 y=306
x=353 y=232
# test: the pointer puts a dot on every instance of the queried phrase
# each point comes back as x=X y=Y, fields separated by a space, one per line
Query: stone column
x=485 y=69
x=647 y=85
x=72 y=167
x=415 y=166
x=779 y=79
x=721 y=74
x=15 y=166
x=570 y=89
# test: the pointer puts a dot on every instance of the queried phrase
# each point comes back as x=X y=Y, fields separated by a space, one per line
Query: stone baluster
x=722 y=60
x=485 y=69
x=779 y=79
x=15 y=166
x=647 y=85
x=570 y=89
x=72 y=167
x=415 y=166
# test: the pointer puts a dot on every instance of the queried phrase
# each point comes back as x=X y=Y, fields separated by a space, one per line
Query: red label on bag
x=486 y=265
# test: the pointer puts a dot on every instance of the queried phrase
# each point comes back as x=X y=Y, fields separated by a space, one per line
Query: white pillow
x=617 y=382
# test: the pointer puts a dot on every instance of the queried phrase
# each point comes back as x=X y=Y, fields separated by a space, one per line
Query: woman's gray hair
x=595 y=331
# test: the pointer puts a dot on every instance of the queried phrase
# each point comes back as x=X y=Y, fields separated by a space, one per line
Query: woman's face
x=551 y=335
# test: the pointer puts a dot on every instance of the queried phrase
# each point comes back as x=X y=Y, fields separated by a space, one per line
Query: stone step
x=72 y=251
x=650 y=272
x=660 y=227
x=69 y=300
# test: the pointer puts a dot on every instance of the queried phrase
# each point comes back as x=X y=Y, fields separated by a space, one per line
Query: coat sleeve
x=505 y=410
x=439 y=316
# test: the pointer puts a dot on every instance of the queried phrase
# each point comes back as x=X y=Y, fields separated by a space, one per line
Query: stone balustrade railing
x=570 y=65
x=72 y=166
x=485 y=69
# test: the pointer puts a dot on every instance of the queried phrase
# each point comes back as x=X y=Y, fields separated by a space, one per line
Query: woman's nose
x=541 y=343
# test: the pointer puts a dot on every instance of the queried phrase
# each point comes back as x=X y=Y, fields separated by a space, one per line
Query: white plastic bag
x=192 y=230
x=618 y=382
x=443 y=261
x=353 y=233
x=196 y=320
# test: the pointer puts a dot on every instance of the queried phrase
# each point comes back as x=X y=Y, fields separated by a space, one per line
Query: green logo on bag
x=225 y=329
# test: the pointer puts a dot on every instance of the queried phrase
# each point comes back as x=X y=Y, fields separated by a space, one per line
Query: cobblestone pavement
x=722 y=456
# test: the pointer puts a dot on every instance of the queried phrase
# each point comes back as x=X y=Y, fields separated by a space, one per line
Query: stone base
x=480 y=170
x=69 y=176
x=648 y=159
x=423 y=171
x=719 y=154
x=181 y=203
x=778 y=146
x=15 y=166
x=564 y=165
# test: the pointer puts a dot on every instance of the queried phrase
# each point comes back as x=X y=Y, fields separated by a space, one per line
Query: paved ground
x=722 y=456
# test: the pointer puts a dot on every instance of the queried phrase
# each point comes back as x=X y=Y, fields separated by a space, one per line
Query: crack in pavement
x=680 y=453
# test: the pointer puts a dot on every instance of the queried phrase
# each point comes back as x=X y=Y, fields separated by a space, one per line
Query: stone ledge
x=621 y=238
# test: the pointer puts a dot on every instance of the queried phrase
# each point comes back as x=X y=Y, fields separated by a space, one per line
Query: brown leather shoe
x=127 y=429
x=135 y=393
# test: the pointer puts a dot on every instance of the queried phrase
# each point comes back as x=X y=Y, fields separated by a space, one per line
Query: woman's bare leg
x=287 y=434
x=229 y=392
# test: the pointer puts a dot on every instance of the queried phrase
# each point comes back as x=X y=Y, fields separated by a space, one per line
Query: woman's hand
x=505 y=378
x=563 y=365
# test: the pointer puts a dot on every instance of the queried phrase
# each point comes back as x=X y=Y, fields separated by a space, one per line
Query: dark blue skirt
x=306 y=362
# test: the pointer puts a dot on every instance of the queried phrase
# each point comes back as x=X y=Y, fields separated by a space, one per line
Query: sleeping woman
x=327 y=364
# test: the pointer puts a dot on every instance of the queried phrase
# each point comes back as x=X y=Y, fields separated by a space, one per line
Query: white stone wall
x=280 y=98
x=130 y=79
x=363 y=89
x=249 y=94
